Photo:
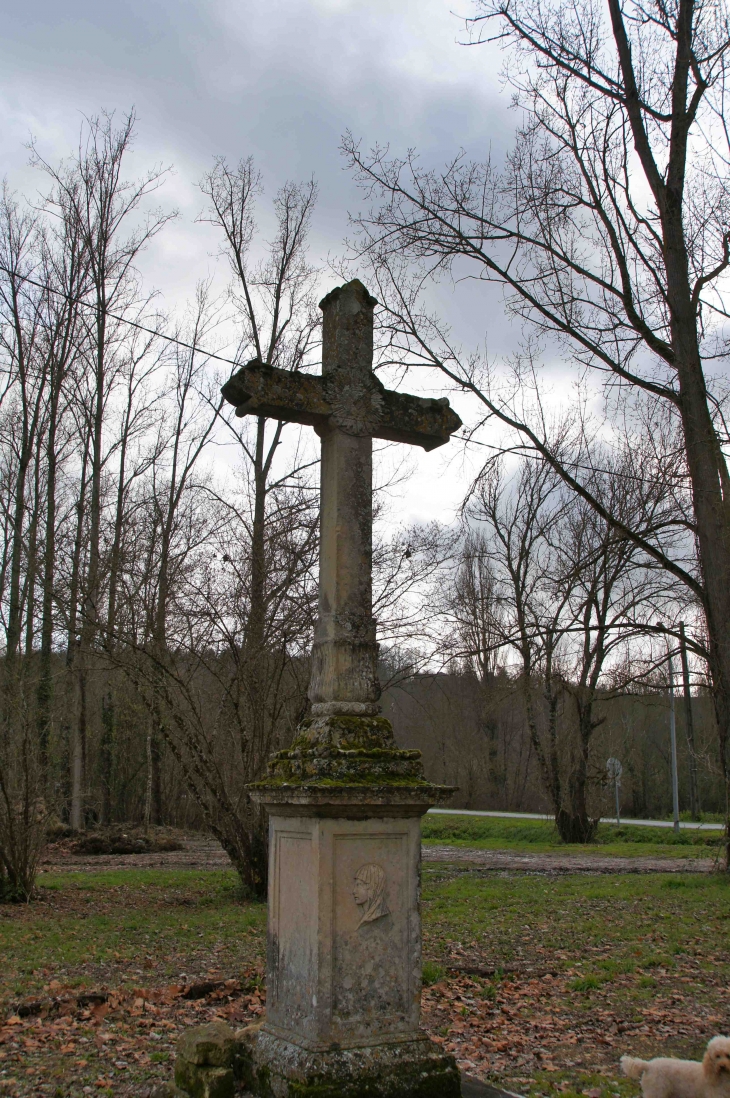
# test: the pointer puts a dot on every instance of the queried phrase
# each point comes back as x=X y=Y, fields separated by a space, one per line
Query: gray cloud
x=277 y=79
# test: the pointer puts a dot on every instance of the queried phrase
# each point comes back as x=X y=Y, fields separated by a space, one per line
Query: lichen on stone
x=345 y=750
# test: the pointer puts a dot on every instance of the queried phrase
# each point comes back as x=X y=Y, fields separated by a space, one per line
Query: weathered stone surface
x=257 y=389
x=243 y=1064
x=344 y=652
x=266 y=391
x=412 y=1068
x=351 y=802
x=344 y=944
x=348 y=750
x=348 y=406
x=210 y=1044
x=203 y=1082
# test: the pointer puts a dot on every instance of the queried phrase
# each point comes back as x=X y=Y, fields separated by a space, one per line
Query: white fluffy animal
x=667 y=1078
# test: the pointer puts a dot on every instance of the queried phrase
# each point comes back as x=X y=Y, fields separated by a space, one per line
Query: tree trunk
x=32 y=561
x=709 y=478
x=573 y=823
x=16 y=555
x=156 y=796
x=106 y=756
x=70 y=721
x=45 y=677
x=254 y=639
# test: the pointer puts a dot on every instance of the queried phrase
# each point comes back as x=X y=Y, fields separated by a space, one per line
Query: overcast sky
x=280 y=80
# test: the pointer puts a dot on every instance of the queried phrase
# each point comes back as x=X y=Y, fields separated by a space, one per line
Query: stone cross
x=344 y=803
x=348 y=406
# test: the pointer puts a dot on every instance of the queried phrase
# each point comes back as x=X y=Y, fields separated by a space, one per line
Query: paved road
x=691 y=825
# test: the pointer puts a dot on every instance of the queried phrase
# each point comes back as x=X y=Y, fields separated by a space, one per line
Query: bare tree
x=473 y=610
x=26 y=374
x=275 y=307
x=63 y=272
x=186 y=430
x=91 y=192
x=607 y=229
x=568 y=596
x=135 y=454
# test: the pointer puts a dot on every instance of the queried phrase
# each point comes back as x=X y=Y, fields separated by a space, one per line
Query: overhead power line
x=196 y=349
x=122 y=319
x=523 y=451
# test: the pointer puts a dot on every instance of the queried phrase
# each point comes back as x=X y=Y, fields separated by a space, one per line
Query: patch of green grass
x=610 y=926
x=591 y=965
x=431 y=973
x=541 y=836
x=586 y=983
x=206 y=885
x=594 y=944
x=576 y=1084
x=126 y=924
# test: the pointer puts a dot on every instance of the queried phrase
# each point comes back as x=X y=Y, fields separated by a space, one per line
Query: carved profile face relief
x=369 y=893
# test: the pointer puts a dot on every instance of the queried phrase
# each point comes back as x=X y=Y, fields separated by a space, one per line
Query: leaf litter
x=544 y=1008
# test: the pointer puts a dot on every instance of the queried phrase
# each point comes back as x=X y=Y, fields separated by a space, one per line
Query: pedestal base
x=403 y=1069
x=343 y=972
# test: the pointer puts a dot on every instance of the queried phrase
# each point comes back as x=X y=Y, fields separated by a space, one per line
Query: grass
x=122 y=925
x=644 y=920
x=138 y=934
x=536 y=982
x=541 y=836
x=432 y=973
x=583 y=968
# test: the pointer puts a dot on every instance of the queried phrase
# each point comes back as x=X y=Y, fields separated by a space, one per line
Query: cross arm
x=418 y=421
x=370 y=409
x=262 y=390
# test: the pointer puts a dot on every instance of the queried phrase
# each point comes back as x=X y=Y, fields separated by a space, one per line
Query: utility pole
x=672 y=733
x=614 y=769
x=694 y=792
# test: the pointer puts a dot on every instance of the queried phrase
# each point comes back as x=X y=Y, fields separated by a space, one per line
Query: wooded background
x=158 y=558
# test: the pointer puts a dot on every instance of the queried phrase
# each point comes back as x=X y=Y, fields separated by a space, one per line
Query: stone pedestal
x=344 y=960
x=344 y=932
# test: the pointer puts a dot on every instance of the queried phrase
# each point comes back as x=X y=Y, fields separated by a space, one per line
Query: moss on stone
x=203 y=1082
x=281 y=782
x=345 y=750
x=374 y=780
x=377 y=754
x=344 y=732
x=408 y=1082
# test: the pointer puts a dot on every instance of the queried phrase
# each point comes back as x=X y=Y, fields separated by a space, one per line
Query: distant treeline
x=477 y=738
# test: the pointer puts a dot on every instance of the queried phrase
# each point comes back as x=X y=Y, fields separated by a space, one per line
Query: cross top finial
x=351 y=297
x=347 y=333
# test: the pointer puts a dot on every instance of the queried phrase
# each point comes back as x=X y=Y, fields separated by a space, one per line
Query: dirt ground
x=543 y=1009
x=200 y=852
x=206 y=853
x=510 y=860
